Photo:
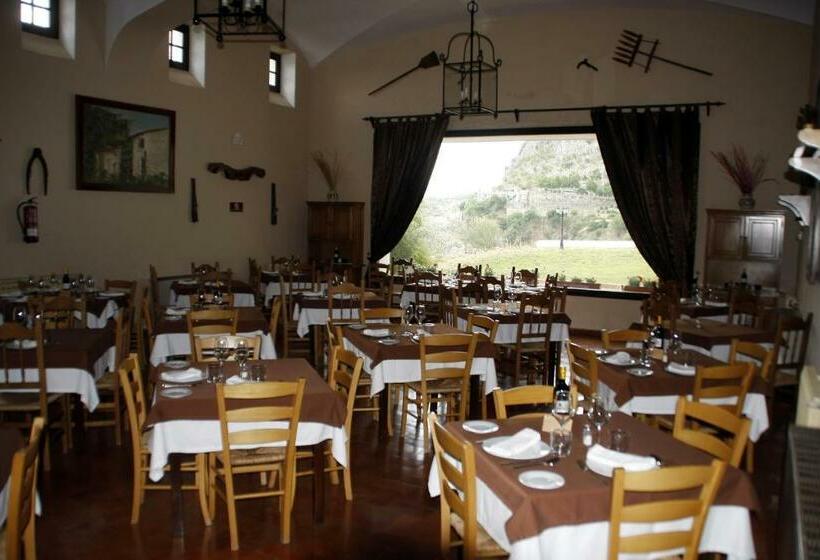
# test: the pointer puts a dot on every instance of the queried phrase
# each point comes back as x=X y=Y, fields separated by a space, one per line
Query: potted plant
x=637 y=284
x=330 y=171
x=578 y=282
x=746 y=173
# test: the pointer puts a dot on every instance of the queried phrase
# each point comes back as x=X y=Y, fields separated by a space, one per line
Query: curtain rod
x=518 y=112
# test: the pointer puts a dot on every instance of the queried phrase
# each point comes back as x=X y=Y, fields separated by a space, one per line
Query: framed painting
x=124 y=147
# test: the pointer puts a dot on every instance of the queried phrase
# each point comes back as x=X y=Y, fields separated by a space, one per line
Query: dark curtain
x=404 y=154
x=651 y=159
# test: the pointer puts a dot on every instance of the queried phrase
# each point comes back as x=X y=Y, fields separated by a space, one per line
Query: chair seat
x=257 y=456
x=485 y=545
x=526 y=347
x=452 y=385
x=25 y=401
x=107 y=381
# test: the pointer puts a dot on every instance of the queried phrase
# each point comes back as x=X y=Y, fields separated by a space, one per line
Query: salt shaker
x=586 y=435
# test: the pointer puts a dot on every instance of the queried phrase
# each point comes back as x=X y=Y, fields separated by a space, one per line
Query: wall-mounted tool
x=429 y=60
x=629 y=51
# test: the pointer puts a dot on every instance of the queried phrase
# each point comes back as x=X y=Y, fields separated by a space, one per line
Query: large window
x=40 y=17
x=179 y=48
x=535 y=200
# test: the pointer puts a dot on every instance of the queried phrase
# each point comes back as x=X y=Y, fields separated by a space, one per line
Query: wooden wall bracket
x=233 y=174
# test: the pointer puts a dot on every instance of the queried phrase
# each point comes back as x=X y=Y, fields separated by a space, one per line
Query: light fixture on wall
x=470 y=85
x=239 y=20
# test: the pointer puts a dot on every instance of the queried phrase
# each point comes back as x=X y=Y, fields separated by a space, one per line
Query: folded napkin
x=311 y=294
x=550 y=424
x=376 y=332
x=187 y=282
x=235 y=380
x=603 y=461
x=618 y=358
x=680 y=369
x=715 y=303
x=112 y=293
x=184 y=376
x=516 y=444
x=175 y=311
x=24 y=344
x=12 y=294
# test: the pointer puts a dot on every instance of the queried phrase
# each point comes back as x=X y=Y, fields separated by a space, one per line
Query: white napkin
x=516 y=444
x=12 y=294
x=311 y=294
x=235 y=380
x=618 y=358
x=714 y=303
x=680 y=369
x=603 y=461
x=112 y=293
x=184 y=376
x=26 y=344
x=376 y=332
x=175 y=311
x=188 y=282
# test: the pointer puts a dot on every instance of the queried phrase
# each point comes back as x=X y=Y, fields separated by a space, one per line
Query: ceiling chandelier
x=239 y=20
x=470 y=85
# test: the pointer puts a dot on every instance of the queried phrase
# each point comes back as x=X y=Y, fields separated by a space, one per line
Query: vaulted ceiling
x=317 y=28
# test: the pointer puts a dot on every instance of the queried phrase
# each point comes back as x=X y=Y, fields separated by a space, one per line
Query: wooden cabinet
x=738 y=241
x=333 y=225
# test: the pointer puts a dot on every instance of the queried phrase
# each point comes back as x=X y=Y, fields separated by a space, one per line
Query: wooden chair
x=428 y=287
x=533 y=334
x=525 y=276
x=109 y=412
x=584 y=366
x=273 y=324
x=63 y=311
x=469 y=273
x=127 y=286
x=154 y=283
x=619 y=338
x=448 y=306
x=291 y=283
x=255 y=279
x=791 y=344
x=222 y=279
x=559 y=298
x=284 y=406
x=136 y=404
x=724 y=382
x=22 y=499
x=745 y=307
x=704 y=478
x=381 y=315
x=690 y=419
x=204 y=347
x=211 y=321
x=455 y=463
x=533 y=395
x=485 y=328
x=660 y=307
x=145 y=327
x=402 y=267
x=344 y=303
x=445 y=378
x=491 y=285
x=550 y=281
x=23 y=395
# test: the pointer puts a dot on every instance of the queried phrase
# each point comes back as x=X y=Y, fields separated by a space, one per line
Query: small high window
x=275 y=72
x=178 y=51
x=40 y=17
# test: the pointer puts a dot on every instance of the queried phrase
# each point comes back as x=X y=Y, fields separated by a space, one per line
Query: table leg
x=177 y=506
x=474 y=412
x=384 y=412
x=319 y=482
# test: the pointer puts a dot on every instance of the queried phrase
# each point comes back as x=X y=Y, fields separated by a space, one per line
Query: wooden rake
x=629 y=49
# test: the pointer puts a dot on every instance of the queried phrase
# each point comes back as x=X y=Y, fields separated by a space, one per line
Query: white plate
x=388 y=341
x=175 y=392
x=541 y=480
x=534 y=453
x=640 y=371
x=26 y=344
x=177 y=364
x=357 y=327
x=480 y=426
x=611 y=360
x=110 y=294
x=376 y=333
x=680 y=369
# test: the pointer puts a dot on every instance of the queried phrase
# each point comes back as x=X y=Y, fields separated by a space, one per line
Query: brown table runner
x=188 y=289
x=319 y=403
x=714 y=333
x=11 y=440
x=68 y=348
x=585 y=498
x=251 y=319
x=511 y=317
x=305 y=302
x=406 y=349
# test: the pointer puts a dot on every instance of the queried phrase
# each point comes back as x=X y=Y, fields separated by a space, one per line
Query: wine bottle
x=561 y=383
x=744 y=278
x=656 y=336
x=66 y=280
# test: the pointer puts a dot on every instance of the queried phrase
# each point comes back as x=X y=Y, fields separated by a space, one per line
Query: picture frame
x=124 y=147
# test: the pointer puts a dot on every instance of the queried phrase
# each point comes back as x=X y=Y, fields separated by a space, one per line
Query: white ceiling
x=317 y=28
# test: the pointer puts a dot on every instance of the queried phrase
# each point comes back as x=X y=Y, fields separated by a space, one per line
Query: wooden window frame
x=186 y=48
x=53 y=30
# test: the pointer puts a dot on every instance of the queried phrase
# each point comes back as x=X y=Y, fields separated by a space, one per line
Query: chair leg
x=117 y=417
x=750 y=457
x=201 y=478
x=211 y=485
x=517 y=369
x=47 y=450
x=333 y=466
x=405 y=404
x=287 y=501
x=423 y=418
x=136 y=499
x=347 y=478
x=67 y=439
x=29 y=541
x=233 y=527
x=389 y=396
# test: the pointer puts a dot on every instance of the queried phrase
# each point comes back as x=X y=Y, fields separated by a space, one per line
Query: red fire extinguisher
x=27 y=218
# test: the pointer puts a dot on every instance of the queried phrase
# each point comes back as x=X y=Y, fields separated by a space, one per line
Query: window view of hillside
x=540 y=202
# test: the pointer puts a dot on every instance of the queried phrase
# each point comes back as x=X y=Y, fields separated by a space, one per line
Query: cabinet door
x=342 y=224
x=320 y=222
x=764 y=237
x=725 y=236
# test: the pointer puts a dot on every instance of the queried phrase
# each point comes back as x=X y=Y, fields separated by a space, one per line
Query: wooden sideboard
x=333 y=225
x=744 y=240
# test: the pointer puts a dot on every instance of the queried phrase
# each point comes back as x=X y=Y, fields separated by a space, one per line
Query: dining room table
x=571 y=519
x=171 y=333
x=190 y=425
x=714 y=310
x=399 y=362
x=270 y=284
x=100 y=306
x=630 y=389
x=183 y=290
x=310 y=309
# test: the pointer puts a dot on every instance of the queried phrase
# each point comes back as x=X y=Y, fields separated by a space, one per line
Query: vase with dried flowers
x=330 y=171
x=746 y=173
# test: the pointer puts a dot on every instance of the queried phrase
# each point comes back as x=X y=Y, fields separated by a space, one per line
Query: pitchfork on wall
x=629 y=49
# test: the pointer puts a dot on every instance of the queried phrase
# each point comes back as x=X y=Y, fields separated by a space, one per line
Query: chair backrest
x=127 y=286
x=748 y=312
x=204 y=347
x=122 y=334
x=618 y=338
x=490 y=285
x=15 y=350
x=428 y=286
x=485 y=327
x=344 y=372
x=792 y=341
x=551 y=280
x=204 y=268
x=146 y=322
x=660 y=305
x=690 y=416
x=535 y=395
x=381 y=314
x=584 y=366
x=448 y=356
x=276 y=401
x=278 y=264
x=211 y=321
x=23 y=492
x=448 y=305
x=344 y=303
x=525 y=276
x=535 y=320
x=402 y=267
x=62 y=311
x=275 y=311
x=559 y=298
x=133 y=392
x=471 y=292
x=724 y=382
x=154 y=279
x=706 y=478
x=467 y=272
x=763 y=358
x=223 y=279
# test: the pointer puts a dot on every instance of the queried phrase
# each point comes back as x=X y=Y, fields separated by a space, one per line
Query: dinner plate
x=640 y=371
x=175 y=392
x=388 y=341
x=541 y=480
x=533 y=453
x=480 y=426
x=177 y=364
x=357 y=326
x=614 y=362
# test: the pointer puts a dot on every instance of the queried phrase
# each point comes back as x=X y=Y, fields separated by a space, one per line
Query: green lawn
x=607 y=266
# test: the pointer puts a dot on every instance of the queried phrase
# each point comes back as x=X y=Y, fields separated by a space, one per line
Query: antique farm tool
x=629 y=51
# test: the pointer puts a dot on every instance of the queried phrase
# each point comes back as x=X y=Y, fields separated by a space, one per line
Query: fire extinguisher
x=27 y=218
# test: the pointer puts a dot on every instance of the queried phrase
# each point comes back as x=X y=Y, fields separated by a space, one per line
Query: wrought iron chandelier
x=239 y=20
x=470 y=85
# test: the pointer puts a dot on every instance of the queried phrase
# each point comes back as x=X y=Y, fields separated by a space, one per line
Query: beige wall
x=119 y=234
x=759 y=64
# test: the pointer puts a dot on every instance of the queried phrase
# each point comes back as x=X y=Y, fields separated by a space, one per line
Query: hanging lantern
x=238 y=20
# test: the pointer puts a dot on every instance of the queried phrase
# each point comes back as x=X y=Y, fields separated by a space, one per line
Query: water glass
x=257 y=373
x=619 y=440
x=215 y=373
x=421 y=313
x=244 y=371
x=561 y=442
x=241 y=351
x=597 y=412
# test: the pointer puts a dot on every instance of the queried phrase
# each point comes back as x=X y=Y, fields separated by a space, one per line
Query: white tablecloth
x=98 y=322
x=406 y=371
x=728 y=530
x=203 y=436
x=272 y=289
x=508 y=332
x=175 y=344
x=241 y=299
x=310 y=316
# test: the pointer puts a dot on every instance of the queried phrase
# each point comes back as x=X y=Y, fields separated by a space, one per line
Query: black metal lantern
x=470 y=85
x=239 y=20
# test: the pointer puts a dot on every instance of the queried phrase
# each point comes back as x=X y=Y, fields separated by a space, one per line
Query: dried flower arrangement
x=746 y=173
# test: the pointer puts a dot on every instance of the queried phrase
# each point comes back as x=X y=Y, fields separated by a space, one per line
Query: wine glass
x=241 y=351
x=30 y=284
x=598 y=413
x=41 y=284
x=89 y=283
x=408 y=314
x=221 y=350
x=561 y=407
x=20 y=314
x=421 y=313
x=53 y=280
